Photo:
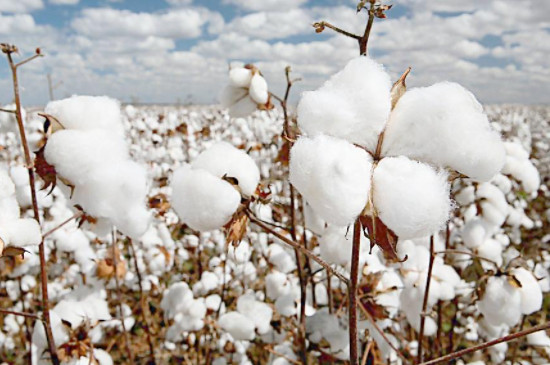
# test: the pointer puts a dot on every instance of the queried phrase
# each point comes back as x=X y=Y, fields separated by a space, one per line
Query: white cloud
x=272 y=25
x=64 y=2
x=20 y=6
x=107 y=22
x=266 y=5
x=179 y=2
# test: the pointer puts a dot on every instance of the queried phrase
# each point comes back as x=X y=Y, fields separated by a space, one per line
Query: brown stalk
x=28 y=323
x=8 y=111
x=29 y=164
x=487 y=344
x=364 y=40
x=74 y=216
x=320 y=26
x=21 y=314
x=142 y=302
x=119 y=298
x=425 y=301
x=352 y=293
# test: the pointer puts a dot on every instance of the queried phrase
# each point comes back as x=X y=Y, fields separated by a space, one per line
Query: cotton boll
x=493 y=195
x=239 y=326
x=466 y=195
x=332 y=175
x=491 y=250
x=411 y=198
x=240 y=76
x=276 y=285
x=87 y=112
x=203 y=201
x=465 y=141
x=258 y=89
x=531 y=294
x=237 y=100
x=24 y=232
x=260 y=313
x=176 y=299
x=501 y=303
x=222 y=159
x=76 y=153
x=282 y=260
x=7 y=187
x=474 y=233
x=354 y=104
x=492 y=214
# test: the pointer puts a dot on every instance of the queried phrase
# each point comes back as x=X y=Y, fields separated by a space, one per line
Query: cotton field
x=174 y=292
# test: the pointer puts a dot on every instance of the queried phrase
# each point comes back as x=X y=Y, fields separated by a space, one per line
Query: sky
x=168 y=51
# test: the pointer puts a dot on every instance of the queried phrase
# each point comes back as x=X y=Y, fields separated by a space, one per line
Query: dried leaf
x=380 y=11
x=382 y=236
x=236 y=228
x=361 y=5
x=284 y=154
x=319 y=27
x=160 y=203
x=46 y=171
x=513 y=281
x=263 y=194
x=51 y=124
x=374 y=309
x=12 y=251
x=399 y=88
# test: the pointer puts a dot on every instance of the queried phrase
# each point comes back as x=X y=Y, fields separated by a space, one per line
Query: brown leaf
x=263 y=194
x=284 y=154
x=12 y=251
x=399 y=88
x=51 y=124
x=380 y=11
x=375 y=310
x=513 y=281
x=382 y=236
x=84 y=218
x=236 y=228
x=46 y=171
x=160 y=203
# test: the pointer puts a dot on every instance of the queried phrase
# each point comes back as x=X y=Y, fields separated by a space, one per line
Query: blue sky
x=170 y=50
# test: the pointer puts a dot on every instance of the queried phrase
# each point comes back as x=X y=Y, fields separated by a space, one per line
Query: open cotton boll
x=240 y=76
x=239 y=326
x=464 y=140
x=531 y=294
x=75 y=153
x=23 y=232
x=258 y=89
x=87 y=112
x=411 y=198
x=223 y=159
x=335 y=248
x=501 y=303
x=203 y=201
x=332 y=175
x=260 y=313
x=237 y=101
x=353 y=104
x=474 y=233
x=7 y=187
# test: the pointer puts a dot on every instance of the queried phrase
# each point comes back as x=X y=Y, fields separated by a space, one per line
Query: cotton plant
x=86 y=150
x=250 y=317
x=16 y=232
x=372 y=150
x=207 y=193
x=247 y=91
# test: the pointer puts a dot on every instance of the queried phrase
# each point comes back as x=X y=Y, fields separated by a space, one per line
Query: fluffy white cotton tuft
x=87 y=112
x=531 y=294
x=237 y=101
x=222 y=159
x=246 y=91
x=444 y=124
x=332 y=175
x=202 y=200
x=353 y=104
x=520 y=167
x=411 y=198
x=240 y=76
x=239 y=326
x=501 y=303
x=258 y=89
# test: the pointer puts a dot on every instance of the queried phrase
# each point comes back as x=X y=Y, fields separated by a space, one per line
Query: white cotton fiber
x=75 y=153
x=353 y=104
x=239 y=326
x=23 y=232
x=474 y=233
x=444 y=124
x=87 y=112
x=202 y=200
x=332 y=175
x=501 y=303
x=260 y=313
x=7 y=187
x=335 y=247
x=531 y=294
x=240 y=76
x=224 y=159
x=258 y=89
x=237 y=101
x=520 y=167
x=411 y=198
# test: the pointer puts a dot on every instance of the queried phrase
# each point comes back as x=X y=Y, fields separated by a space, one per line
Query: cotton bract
x=246 y=92
x=429 y=129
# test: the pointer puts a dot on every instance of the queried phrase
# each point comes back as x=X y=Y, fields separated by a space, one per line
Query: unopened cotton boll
x=411 y=198
x=353 y=104
x=332 y=175
x=239 y=326
x=444 y=124
x=87 y=112
x=223 y=159
x=203 y=201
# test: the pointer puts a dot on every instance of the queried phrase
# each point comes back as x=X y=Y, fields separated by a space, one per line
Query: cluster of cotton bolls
x=238 y=300
x=246 y=92
x=88 y=150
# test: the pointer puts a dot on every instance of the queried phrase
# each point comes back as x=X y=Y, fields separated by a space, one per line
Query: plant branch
x=352 y=293
x=425 y=301
x=320 y=26
x=29 y=164
x=8 y=111
x=364 y=40
x=21 y=314
x=294 y=244
x=487 y=344
x=74 y=216
x=27 y=60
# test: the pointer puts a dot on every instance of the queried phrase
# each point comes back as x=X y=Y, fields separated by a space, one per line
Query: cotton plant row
x=259 y=275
